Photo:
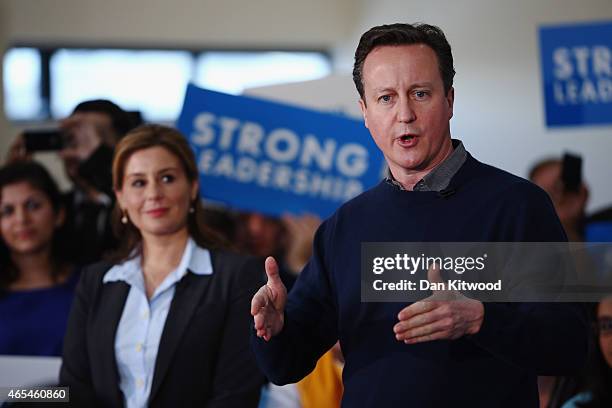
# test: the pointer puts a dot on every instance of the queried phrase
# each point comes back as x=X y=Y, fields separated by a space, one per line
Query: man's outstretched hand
x=447 y=314
x=268 y=304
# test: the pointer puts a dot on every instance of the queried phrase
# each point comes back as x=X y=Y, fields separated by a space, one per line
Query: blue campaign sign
x=257 y=155
x=577 y=73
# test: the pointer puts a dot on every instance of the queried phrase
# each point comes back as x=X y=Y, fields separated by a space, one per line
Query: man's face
x=264 y=234
x=405 y=107
x=101 y=121
x=84 y=129
x=549 y=179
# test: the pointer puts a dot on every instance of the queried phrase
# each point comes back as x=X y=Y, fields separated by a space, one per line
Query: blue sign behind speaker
x=268 y=157
x=576 y=64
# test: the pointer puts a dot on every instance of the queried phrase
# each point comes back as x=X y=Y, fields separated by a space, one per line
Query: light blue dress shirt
x=142 y=322
x=581 y=398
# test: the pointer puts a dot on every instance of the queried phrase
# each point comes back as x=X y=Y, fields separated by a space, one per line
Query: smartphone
x=43 y=140
x=571 y=172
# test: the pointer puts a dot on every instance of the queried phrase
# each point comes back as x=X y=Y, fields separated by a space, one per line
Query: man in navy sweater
x=428 y=353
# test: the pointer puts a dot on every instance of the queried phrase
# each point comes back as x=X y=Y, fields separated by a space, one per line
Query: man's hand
x=444 y=315
x=268 y=304
x=17 y=151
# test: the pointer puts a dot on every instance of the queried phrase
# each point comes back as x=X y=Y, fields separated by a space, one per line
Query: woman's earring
x=124 y=218
x=191 y=210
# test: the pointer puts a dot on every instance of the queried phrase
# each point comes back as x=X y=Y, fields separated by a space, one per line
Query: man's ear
x=364 y=110
x=450 y=99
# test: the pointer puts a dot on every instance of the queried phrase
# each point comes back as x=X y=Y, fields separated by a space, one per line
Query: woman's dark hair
x=599 y=373
x=405 y=34
x=39 y=178
x=144 y=137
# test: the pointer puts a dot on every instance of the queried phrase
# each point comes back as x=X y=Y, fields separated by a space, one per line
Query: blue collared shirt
x=142 y=322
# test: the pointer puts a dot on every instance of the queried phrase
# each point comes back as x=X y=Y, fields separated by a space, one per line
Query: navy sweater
x=496 y=367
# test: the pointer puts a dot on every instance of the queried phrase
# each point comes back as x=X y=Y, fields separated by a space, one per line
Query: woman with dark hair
x=598 y=390
x=36 y=282
x=167 y=323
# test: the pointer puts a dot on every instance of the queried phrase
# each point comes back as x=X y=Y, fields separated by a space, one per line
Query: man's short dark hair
x=405 y=34
x=121 y=120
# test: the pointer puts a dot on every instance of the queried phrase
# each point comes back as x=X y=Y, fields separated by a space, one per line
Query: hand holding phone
x=82 y=138
x=571 y=172
x=43 y=140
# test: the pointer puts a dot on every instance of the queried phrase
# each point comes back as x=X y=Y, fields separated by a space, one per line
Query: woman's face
x=156 y=192
x=604 y=319
x=27 y=218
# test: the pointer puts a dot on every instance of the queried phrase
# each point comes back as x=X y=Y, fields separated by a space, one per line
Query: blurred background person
x=166 y=324
x=223 y=221
x=570 y=205
x=288 y=239
x=597 y=391
x=37 y=280
x=90 y=134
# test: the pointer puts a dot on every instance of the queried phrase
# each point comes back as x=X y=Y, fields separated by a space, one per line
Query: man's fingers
x=436 y=325
x=260 y=316
x=272 y=271
x=259 y=301
x=433 y=274
x=417 y=308
x=419 y=320
x=262 y=324
x=258 y=321
x=425 y=305
x=268 y=302
x=262 y=321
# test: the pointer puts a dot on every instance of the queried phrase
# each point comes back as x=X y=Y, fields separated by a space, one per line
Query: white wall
x=499 y=109
x=313 y=23
x=316 y=24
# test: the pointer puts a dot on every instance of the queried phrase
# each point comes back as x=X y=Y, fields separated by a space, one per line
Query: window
x=150 y=81
x=22 y=79
x=232 y=72
x=42 y=84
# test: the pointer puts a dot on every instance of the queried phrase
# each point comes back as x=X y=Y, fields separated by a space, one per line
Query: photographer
x=89 y=135
x=570 y=201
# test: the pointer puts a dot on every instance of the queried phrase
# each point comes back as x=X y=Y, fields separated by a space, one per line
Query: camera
x=44 y=140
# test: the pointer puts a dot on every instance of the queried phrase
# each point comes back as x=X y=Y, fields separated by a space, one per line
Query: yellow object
x=323 y=387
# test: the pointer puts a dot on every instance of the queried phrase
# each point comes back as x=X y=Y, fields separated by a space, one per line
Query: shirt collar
x=195 y=259
x=440 y=177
